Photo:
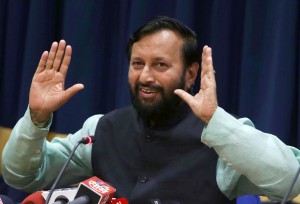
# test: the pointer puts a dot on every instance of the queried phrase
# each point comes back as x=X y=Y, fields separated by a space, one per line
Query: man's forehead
x=162 y=40
x=164 y=34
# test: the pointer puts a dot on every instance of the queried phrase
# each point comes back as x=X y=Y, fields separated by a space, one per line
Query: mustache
x=139 y=85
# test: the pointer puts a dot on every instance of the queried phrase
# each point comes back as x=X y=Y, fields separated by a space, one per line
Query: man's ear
x=191 y=74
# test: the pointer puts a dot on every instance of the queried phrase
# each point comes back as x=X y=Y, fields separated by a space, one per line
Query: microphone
x=85 y=140
x=61 y=200
x=291 y=187
x=61 y=196
x=81 y=200
x=5 y=200
x=34 y=198
x=155 y=201
x=97 y=190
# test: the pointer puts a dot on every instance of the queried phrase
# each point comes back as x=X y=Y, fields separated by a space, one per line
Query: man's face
x=156 y=70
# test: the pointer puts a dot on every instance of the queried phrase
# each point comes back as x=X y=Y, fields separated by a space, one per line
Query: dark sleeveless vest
x=156 y=165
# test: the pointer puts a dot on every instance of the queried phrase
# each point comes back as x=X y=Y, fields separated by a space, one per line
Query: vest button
x=144 y=179
x=148 y=138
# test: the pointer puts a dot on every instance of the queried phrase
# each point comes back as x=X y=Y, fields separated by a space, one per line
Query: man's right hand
x=47 y=91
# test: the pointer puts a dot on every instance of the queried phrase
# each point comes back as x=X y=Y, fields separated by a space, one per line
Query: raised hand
x=47 y=91
x=204 y=103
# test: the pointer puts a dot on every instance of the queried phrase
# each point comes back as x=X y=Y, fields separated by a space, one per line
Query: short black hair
x=190 y=49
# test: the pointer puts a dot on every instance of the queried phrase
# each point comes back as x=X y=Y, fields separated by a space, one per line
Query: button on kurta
x=143 y=179
x=38 y=151
x=225 y=160
x=148 y=138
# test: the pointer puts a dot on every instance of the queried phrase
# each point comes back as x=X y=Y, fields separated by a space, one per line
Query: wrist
x=41 y=121
x=208 y=117
x=41 y=124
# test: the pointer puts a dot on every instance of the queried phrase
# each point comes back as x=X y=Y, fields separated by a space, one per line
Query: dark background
x=255 y=50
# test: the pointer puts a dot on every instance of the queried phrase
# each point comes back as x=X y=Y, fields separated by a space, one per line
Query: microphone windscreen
x=34 y=198
x=6 y=200
x=87 y=140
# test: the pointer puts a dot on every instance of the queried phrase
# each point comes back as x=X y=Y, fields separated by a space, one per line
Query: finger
x=42 y=63
x=66 y=61
x=59 y=55
x=205 y=83
x=204 y=52
x=211 y=75
x=202 y=59
x=51 y=55
x=206 y=68
x=210 y=71
x=206 y=60
x=208 y=82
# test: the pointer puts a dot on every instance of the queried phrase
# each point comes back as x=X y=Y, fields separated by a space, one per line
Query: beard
x=157 y=113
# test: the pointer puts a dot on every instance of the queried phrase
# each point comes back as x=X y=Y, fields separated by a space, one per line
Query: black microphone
x=81 y=200
x=85 y=140
x=61 y=200
x=291 y=187
x=155 y=201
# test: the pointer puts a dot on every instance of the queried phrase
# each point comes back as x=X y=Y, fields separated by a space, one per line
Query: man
x=151 y=150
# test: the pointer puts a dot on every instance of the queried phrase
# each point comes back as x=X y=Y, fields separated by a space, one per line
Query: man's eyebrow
x=154 y=59
x=160 y=58
x=136 y=58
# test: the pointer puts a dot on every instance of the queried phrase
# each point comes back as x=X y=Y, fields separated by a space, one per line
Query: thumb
x=184 y=95
x=72 y=91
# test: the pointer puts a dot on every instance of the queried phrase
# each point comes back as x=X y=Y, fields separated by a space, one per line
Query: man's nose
x=146 y=75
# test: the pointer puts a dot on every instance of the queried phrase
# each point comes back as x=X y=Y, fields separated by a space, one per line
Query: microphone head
x=81 y=200
x=6 y=200
x=87 y=140
x=34 y=198
x=96 y=189
x=61 y=200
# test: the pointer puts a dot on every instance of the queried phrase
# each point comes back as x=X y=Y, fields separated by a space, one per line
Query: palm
x=47 y=91
x=203 y=104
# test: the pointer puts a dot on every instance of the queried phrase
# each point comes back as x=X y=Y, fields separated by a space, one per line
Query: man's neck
x=164 y=119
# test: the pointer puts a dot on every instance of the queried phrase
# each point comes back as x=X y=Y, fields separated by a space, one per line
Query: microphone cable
x=291 y=187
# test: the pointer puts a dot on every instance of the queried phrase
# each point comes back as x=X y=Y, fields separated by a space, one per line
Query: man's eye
x=137 y=64
x=160 y=65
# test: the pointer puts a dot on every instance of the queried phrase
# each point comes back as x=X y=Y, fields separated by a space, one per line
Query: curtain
x=255 y=51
